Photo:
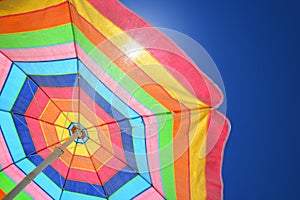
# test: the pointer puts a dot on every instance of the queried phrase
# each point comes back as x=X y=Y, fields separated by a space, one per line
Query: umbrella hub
x=81 y=130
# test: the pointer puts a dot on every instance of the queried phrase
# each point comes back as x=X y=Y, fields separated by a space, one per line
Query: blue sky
x=255 y=45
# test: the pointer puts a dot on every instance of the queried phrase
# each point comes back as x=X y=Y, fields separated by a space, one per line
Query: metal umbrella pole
x=58 y=151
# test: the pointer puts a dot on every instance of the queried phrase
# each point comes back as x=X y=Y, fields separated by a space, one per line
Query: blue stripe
x=56 y=81
x=133 y=140
x=24 y=134
x=111 y=111
x=106 y=93
x=137 y=135
x=29 y=148
x=25 y=97
x=118 y=180
x=85 y=188
x=58 y=67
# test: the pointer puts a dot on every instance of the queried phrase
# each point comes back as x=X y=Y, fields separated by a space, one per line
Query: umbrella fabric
x=149 y=128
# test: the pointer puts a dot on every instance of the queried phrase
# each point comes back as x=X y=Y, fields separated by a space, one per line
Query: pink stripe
x=5 y=158
x=62 y=51
x=190 y=76
x=93 y=106
x=151 y=131
x=153 y=153
x=110 y=169
x=37 y=105
x=39 y=143
x=17 y=175
x=61 y=93
x=219 y=124
x=58 y=164
x=5 y=67
x=69 y=93
x=115 y=139
x=149 y=194
x=171 y=55
x=110 y=83
x=36 y=133
x=66 y=93
x=83 y=175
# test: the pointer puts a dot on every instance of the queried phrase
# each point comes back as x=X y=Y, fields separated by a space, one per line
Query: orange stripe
x=48 y=131
x=2 y=193
x=125 y=64
x=181 y=165
x=41 y=19
x=50 y=113
x=78 y=163
x=156 y=91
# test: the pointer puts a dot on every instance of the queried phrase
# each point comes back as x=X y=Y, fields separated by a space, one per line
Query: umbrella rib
x=62 y=133
x=76 y=53
x=73 y=32
x=134 y=171
x=66 y=116
x=34 y=118
x=78 y=79
x=28 y=128
x=29 y=77
x=64 y=184
x=80 y=174
x=118 y=131
x=154 y=115
x=29 y=155
x=90 y=156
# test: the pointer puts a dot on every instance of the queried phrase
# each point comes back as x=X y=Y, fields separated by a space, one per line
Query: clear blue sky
x=255 y=45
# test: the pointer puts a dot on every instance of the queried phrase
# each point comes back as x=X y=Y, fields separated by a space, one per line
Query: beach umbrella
x=97 y=104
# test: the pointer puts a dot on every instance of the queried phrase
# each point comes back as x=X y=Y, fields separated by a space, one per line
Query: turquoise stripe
x=137 y=133
x=42 y=180
x=11 y=136
x=103 y=91
x=12 y=88
x=145 y=100
x=61 y=67
x=67 y=195
x=130 y=189
x=139 y=145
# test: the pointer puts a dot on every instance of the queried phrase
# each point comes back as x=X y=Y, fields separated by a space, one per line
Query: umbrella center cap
x=82 y=132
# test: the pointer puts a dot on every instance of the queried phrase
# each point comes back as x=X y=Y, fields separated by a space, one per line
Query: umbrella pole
x=58 y=151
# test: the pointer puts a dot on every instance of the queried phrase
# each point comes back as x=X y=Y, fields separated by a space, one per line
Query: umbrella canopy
x=144 y=114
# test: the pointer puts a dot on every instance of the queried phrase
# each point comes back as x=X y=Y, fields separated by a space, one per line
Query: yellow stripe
x=198 y=131
x=143 y=59
x=11 y=7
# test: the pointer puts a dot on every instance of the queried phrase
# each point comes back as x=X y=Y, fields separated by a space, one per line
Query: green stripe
x=63 y=34
x=167 y=158
x=6 y=184
x=166 y=130
x=40 y=38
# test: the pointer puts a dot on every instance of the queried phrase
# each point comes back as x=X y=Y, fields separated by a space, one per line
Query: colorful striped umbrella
x=114 y=106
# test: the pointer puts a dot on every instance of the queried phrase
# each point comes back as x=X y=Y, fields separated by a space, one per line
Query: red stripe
x=214 y=184
x=203 y=87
